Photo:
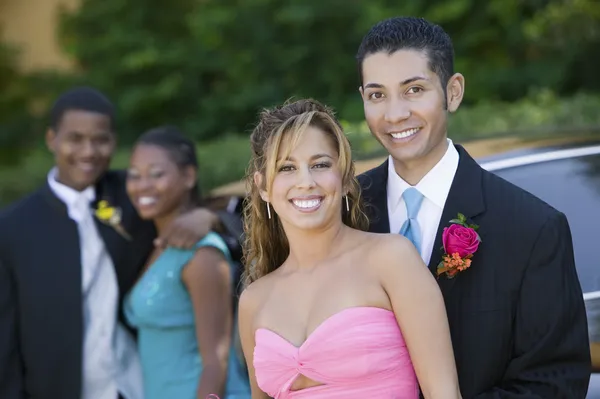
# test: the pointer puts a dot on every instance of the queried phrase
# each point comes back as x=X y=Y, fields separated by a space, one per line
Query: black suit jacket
x=41 y=318
x=517 y=316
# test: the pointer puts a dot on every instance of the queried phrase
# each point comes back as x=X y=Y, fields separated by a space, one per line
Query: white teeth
x=405 y=134
x=146 y=200
x=306 y=204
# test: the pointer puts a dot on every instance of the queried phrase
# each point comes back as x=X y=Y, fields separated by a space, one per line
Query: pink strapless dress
x=356 y=353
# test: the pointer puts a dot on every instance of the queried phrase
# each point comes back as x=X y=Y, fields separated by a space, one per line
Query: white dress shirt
x=434 y=186
x=110 y=360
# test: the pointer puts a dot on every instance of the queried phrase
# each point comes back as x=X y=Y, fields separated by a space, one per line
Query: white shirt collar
x=67 y=194
x=435 y=185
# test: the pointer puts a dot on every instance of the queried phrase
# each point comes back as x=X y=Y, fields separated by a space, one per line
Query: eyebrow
x=79 y=134
x=403 y=83
x=152 y=165
x=316 y=156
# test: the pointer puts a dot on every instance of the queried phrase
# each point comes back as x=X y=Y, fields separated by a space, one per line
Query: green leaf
x=457 y=221
x=462 y=217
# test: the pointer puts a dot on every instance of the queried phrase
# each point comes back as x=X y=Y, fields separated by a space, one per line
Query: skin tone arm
x=595 y=349
x=592 y=308
x=207 y=278
x=421 y=314
x=246 y=311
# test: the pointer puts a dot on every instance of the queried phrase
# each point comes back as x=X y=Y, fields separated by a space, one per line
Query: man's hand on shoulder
x=189 y=228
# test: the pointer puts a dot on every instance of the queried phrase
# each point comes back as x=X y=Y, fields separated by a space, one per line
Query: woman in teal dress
x=182 y=302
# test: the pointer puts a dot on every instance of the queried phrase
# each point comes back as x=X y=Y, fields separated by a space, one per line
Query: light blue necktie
x=410 y=229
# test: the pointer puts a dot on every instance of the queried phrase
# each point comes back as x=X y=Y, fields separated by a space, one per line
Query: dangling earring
x=347 y=205
x=268 y=210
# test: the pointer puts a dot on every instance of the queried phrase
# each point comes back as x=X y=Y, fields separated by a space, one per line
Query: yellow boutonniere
x=111 y=216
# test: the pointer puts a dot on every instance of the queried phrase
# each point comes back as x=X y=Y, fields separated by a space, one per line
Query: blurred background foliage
x=210 y=65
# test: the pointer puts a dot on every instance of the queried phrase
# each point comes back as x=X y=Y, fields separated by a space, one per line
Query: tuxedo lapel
x=62 y=251
x=466 y=197
x=111 y=239
x=114 y=242
x=374 y=186
x=55 y=203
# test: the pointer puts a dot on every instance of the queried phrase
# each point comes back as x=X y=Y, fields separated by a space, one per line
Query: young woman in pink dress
x=331 y=311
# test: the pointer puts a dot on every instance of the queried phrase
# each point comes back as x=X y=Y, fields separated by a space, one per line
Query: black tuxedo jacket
x=41 y=318
x=517 y=316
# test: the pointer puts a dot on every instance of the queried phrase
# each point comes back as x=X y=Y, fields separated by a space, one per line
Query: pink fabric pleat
x=358 y=352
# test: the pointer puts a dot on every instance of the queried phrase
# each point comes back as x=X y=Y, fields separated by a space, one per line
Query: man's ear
x=259 y=181
x=455 y=91
x=50 y=139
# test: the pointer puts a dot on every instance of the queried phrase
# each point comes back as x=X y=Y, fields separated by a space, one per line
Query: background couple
x=322 y=316
x=79 y=267
x=335 y=312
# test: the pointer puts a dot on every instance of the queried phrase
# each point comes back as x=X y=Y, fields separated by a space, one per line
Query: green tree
x=210 y=65
x=16 y=122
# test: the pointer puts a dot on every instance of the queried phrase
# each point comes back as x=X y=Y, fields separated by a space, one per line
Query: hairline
x=317 y=118
x=56 y=125
x=390 y=51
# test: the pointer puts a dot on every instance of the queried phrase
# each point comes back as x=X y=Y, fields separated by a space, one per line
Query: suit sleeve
x=234 y=231
x=11 y=377
x=551 y=353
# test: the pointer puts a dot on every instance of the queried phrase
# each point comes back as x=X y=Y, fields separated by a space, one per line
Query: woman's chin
x=149 y=213
x=310 y=224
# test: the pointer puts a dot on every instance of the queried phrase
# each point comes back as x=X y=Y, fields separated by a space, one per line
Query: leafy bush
x=209 y=66
x=225 y=160
x=16 y=122
x=24 y=99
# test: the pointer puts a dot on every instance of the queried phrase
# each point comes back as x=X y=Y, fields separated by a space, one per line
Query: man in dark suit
x=68 y=254
x=516 y=315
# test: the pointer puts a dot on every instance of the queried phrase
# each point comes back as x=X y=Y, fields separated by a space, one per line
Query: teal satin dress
x=159 y=306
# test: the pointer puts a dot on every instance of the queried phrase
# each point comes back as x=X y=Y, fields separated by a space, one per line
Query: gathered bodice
x=356 y=353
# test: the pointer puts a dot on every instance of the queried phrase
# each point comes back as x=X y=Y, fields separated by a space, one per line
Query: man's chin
x=406 y=156
x=85 y=179
x=87 y=182
x=79 y=184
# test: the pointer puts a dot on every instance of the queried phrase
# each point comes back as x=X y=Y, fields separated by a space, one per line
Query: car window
x=573 y=187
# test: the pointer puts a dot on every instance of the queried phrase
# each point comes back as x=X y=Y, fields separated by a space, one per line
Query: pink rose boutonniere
x=460 y=241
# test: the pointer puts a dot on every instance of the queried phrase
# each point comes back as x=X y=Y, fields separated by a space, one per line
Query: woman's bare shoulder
x=255 y=294
x=385 y=245
x=389 y=250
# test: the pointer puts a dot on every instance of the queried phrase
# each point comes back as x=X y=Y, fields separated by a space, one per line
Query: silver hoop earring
x=347 y=205
x=268 y=210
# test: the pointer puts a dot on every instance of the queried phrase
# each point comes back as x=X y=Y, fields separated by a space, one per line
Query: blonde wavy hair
x=265 y=245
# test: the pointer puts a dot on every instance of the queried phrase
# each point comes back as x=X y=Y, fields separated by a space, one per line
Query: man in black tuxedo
x=68 y=254
x=517 y=314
